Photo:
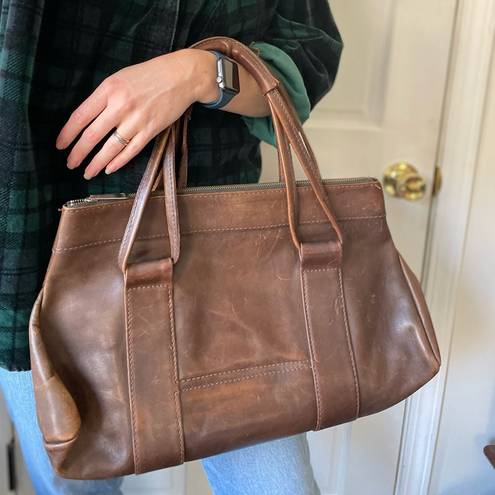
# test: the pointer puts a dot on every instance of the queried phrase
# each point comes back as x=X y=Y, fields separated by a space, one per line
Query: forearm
x=249 y=102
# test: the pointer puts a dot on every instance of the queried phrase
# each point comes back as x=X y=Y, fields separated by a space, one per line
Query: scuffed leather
x=61 y=421
x=273 y=321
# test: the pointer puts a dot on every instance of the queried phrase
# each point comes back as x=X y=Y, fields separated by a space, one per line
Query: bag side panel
x=83 y=328
x=393 y=355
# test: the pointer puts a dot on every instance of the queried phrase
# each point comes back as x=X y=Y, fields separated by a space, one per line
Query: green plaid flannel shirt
x=54 y=54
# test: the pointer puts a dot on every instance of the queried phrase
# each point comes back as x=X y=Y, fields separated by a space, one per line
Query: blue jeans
x=280 y=467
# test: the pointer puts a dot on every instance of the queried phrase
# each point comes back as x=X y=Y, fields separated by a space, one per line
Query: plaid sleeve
x=302 y=46
x=288 y=74
x=307 y=33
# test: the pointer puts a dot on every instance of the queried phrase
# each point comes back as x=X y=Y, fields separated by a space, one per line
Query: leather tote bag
x=177 y=324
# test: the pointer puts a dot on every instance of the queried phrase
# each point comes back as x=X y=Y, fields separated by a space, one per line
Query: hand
x=139 y=101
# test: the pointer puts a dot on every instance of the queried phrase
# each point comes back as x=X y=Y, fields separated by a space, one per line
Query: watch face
x=230 y=75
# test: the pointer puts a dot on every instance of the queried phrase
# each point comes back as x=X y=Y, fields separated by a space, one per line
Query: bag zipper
x=111 y=197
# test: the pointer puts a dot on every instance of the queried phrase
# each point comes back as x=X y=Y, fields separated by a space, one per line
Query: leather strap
x=289 y=130
x=142 y=195
x=182 y=129
x=169 y=187
x=154 y=396
x=281 y=106
x=286 y=174
x=329 y=339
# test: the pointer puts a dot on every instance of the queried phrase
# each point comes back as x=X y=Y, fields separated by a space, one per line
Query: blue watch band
x=225 y=94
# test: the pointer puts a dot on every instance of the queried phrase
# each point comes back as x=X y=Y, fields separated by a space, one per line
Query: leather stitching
x=180 y=432
x=320 y=269
x=151 y=286
x=173 y=376
x=226 y=229
x=249 y=377
x=107 y=241
x=276 y=225
x=312 y=353
x=349 y=345
x=242 y=229
x=237 y=370
x=130 y=361
x=173 y=351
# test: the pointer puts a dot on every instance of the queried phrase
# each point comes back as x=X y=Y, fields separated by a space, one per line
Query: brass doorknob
x=404 y=181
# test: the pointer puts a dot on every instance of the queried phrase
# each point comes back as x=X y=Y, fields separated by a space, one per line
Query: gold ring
x=121 y=139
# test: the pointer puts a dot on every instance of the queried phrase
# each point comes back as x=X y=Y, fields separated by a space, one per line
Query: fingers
x=91 y=136
x=114 y=148
x=129 y=101
x=81 y=117
x=129 y=152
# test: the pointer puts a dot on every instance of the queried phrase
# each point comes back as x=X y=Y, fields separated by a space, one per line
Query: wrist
x=204 y=74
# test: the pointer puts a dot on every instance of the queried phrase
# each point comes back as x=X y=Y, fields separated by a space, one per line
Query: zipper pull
x=95 y=198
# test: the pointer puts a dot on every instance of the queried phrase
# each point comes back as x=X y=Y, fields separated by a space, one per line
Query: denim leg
x=17 y=390
x=279 y=467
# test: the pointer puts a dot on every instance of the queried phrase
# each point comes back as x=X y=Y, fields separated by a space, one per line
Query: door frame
x=462 y=125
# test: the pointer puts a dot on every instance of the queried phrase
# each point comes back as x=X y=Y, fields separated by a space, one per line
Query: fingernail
x=71 y=163
x=108 y=170
x=87 y=175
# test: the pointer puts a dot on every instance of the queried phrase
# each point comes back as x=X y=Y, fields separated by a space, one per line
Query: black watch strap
x=227 y=80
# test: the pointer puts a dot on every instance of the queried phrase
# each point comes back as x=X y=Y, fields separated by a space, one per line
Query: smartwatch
x=227 y=80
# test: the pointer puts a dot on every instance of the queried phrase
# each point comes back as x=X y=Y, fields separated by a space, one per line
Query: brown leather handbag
x=178 y=324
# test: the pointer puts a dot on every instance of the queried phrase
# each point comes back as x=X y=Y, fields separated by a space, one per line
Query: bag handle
x=282 y=108
x=288 y=131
